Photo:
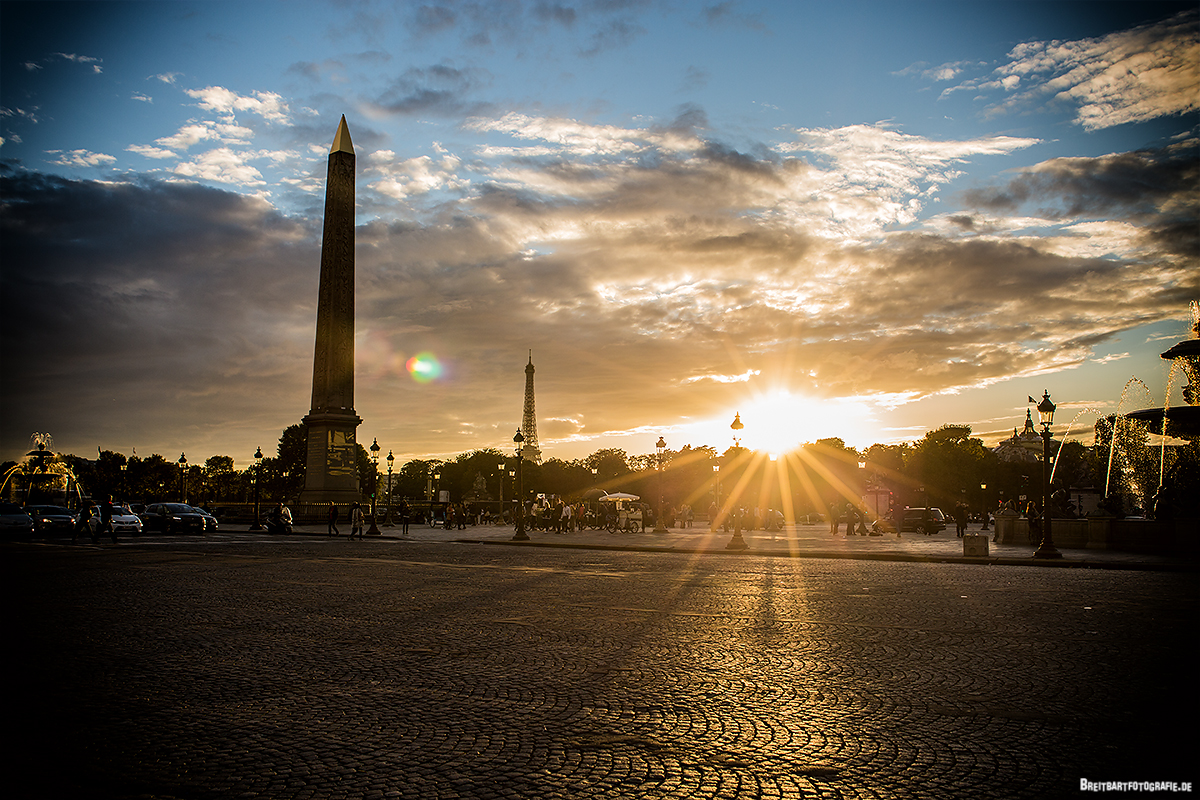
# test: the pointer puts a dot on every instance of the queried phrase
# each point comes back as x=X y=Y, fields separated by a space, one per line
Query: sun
x=779 y=422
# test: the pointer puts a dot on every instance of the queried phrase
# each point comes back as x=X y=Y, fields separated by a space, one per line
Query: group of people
x=357 y=517
x=853 y=515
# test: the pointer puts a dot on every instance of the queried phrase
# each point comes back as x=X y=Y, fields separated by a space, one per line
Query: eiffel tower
x=530 y=450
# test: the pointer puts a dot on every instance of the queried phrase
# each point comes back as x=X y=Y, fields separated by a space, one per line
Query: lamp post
x=736 y=542
x=375 y=448
x=391 y=459
x=258 y=457
x=661 y=524
x=500 y=470
x=520 y=535
x=1046 y=413
x=983 y=490
x=182 y=478
x=712 y=523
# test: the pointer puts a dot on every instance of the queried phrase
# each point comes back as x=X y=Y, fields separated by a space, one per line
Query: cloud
x=142 y=97
x=80 y=158
x=1136 y=75
x=78 y=59
x=165 y=296
x=615 y=252
x=1153 y=188
x=222 y=165
x=268 y=105
x=405 y=178
x=437 y=89
x=20 y=113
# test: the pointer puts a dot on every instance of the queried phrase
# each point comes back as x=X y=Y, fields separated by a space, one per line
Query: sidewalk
x=796 y=541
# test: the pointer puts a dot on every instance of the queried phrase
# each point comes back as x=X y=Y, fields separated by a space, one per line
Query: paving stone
x=300 y=667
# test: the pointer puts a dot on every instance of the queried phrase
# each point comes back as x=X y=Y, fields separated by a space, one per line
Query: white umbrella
x=619 y=496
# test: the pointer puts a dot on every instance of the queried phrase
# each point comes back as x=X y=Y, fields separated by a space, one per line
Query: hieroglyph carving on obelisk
x=331 y=473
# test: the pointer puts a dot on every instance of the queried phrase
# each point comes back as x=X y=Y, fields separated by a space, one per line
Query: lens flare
x=424 y=367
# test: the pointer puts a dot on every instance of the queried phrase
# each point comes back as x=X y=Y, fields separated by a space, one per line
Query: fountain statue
x=41 y=477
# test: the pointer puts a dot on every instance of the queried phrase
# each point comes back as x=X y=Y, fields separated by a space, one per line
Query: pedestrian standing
x=333 y=517
x=404 y=517
x=356 y=521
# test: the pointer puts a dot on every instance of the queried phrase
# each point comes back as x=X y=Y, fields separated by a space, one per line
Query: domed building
x=1024 y=447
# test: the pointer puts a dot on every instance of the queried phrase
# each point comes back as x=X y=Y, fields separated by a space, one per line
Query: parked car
x=14 y=522
x=51 y=519
x=175 y=518
x=923 y=520
x=210 y=522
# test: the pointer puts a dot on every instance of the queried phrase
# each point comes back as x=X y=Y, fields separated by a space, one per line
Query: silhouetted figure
x=356 y=521
x=106 y=515
x=82 y=524
x=404 y=513
x=333 y=518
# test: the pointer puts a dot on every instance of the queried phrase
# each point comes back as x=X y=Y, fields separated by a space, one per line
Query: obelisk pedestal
x=331 y=473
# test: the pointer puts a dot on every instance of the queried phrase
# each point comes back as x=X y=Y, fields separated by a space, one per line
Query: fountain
x=1183 y=421
x=41 y=477
x=1178 y=487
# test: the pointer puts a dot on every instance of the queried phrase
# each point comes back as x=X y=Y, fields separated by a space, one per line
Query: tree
x=292 y=460
x=219 y=474
x=949 y=466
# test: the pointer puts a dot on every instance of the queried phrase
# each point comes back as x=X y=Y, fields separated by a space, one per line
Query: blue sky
x=857 y=219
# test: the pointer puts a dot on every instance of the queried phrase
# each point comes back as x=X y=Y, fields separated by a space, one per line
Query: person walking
x=356 y=521
x=82 y=524
x=333 y=518
x=106 y=515
x=960 y=518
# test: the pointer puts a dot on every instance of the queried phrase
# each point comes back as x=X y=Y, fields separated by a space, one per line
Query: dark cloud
x=612 y=35
x=1133 y=184
x=141 y=296
x=437 y=89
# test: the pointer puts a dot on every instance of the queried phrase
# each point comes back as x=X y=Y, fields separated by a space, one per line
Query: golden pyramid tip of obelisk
x=341 y=140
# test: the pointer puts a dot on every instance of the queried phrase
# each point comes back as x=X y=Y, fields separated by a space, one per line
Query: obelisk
x=331 y=474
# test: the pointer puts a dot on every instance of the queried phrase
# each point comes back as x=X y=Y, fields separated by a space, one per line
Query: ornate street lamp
x=500 y=469
x=375 y=448
x=983 y=490
x=520 y=535
x=391 y=459
x=712 y=523
x=661 y=525
x=258 y=457
x=182 y=478
x=1046 y=415
x=736 y=542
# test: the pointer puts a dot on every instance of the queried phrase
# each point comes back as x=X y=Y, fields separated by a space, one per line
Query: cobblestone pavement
x=239 y=666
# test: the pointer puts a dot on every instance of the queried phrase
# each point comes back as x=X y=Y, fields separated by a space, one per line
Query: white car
x=123 y=520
